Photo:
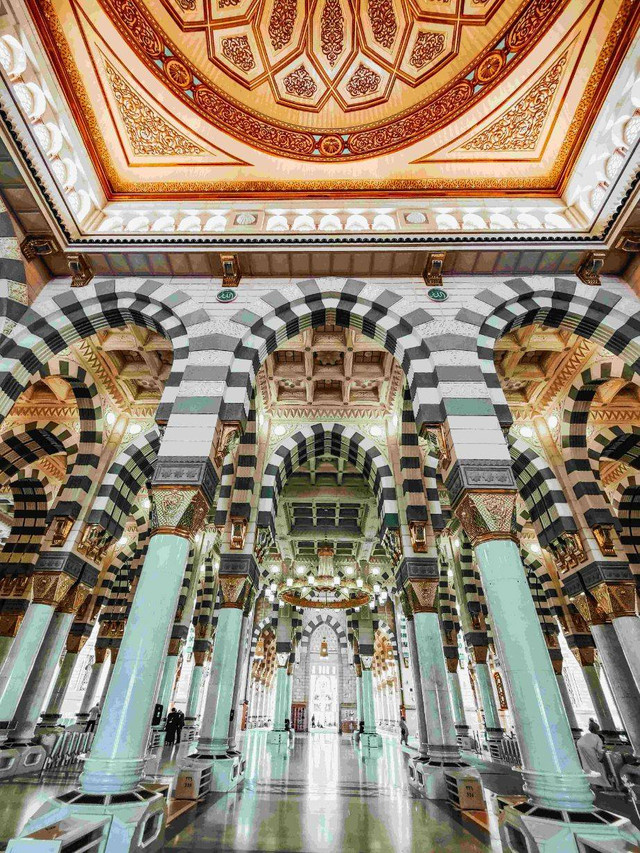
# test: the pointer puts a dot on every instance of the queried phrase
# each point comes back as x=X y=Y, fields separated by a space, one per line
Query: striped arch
x=541 y=492
x=626 y=503
x=124 y=479
x=586 y=487
x=535 y=572
x=318 y=620
x=617 y=443
x=280 y=316
x=123 y=556
x=51 y=325
x=328 y=439
x=79 y=476
x=256 y=634
x=593 y=313
x=30 y=505
x=383 y=626
x=205 y=600
x=27 y=443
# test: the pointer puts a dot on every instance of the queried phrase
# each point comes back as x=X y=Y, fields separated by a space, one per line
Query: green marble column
x=90 y=693
x=358 y=697
x=56 y=700
x=282 y=692
x=35 y=692
x=5 y=648
x=165 y=693
x=368 y=708
x=20 y=661
x=457 y=703
x=193 y=702
x=116 y=761
x=423 y=740
x=214 y=729
x=551 y=769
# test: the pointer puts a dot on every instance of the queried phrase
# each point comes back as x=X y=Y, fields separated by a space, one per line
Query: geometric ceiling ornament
x=148 y=133
x=300 y=80
x=519 y=128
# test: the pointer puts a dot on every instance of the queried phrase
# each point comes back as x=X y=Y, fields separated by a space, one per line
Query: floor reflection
x=321 y=795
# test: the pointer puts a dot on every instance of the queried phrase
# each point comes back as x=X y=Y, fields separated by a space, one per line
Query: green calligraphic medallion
x=227 y=294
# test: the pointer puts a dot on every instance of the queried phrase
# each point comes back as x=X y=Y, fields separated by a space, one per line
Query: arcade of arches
x=319 y=426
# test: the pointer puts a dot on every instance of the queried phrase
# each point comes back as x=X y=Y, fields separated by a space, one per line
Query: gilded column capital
x=478 y=653
x=178 y=510
x=74 y=599
x=200 y=657
x=422 y=594
x=487 y=515
x=101 y=653
x=616 y=599
x=175 y=646
x=590 y=610
x=234 y=590
x=51 y=587
x=452 y=664
x=585 y=656
x=10 y=622
x=76 y=642
x=366 y=661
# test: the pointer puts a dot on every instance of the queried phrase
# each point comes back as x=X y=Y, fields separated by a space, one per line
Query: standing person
x=171 y=727
x=591 y=754
x=404 y=733
x=179 y=725
x=92 y=719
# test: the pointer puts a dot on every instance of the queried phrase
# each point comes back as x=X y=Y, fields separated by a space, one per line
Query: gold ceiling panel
x=375 y=95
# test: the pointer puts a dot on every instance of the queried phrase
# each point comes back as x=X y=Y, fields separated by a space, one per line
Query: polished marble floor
x=322 y=796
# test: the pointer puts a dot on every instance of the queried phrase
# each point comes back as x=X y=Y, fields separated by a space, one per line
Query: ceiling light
x=311 y=580
x=377 y=431
x=552 y=421
x=357 y=609
x=336 y=581
x=456 y=543
x=280 y=429
x=146 y=503
x=300 y=570
x=275 y=569
x=535 y=547
x=134 y=429
x=289 y=581
x=349 y=570
x=273 y=587
x=375 y=571
x=450 y=573
x=526 y=432
x=359 y=582
x=122 y=540
x=111 y=418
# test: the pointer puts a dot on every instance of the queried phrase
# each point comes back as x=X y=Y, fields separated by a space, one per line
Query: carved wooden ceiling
x=225 y=97
x=330 y=371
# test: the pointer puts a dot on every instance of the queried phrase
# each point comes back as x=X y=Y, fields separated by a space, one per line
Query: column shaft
x=56 y=700
x=423 y=742
x=598 y=698
x=214 y=729
x=566 y=701
x=368 y=709
x=620 y=680
x=89 y=697
x=193 y=701
x=21 y=659
x=441 y=730
x=457 y=703
x=165 y=692
x=117 y=757
x=35 y=692
x=552 y=771
x=280 y=708
x=483 y=680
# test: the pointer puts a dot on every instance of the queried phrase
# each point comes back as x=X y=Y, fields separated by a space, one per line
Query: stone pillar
x=116 y=761
x=90 y=697
x=620 y=680
x=487 y=698
x=165 y=693
x=421 y=594
x=358 y=670
x=35 y=692
x=566 y=701
x=54 y=708
x=49 y=589
x=282 y=690
x=237 y=577
x=586 y=658
x=193 y=702
x=368 y=708
x=552 y=772
x=423 y=743
x=457 y=702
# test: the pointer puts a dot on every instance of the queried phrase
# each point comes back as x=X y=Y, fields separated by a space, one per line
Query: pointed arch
x=328 y=439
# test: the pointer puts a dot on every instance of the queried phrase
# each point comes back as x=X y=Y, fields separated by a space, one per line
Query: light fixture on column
x=231 y=274
x=324 y=648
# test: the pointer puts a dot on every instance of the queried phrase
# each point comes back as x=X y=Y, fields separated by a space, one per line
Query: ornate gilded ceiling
x=227 y=97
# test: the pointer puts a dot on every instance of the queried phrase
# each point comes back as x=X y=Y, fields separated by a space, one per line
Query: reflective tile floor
x=322 y=796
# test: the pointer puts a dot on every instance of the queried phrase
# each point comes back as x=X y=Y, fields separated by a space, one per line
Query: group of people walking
x=174 y=726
